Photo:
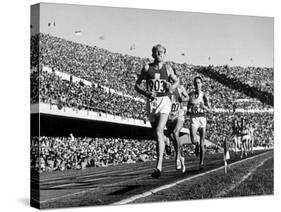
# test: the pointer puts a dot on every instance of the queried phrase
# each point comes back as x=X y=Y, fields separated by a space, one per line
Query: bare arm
x=184 y=94
x=206 y=104
x=188 y=104
x=141 y=77
x=174 y=78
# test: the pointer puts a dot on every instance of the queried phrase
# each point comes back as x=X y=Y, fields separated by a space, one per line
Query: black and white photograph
x=136 y=105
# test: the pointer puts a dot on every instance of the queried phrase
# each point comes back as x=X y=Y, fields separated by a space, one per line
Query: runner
x=244 y=137
x=197 y=107
x=252 y=139
x=158 y=76
x=175 y=122
x=235 y=134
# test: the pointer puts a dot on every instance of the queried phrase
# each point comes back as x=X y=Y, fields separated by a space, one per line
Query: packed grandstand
x=73 y=75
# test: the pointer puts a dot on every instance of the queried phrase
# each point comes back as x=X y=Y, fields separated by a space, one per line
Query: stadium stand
x=106 y=84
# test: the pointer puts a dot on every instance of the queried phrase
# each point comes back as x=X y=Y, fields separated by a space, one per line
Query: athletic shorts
x=227 y=156
x=157 y=106
x=237 y=140
x=178 y=115
x=198 y=122
x=244 y=138
x=173 y=120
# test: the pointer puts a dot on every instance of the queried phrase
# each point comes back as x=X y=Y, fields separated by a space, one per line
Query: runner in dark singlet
x=158 y=76
x=244 y=133
x=235 y=134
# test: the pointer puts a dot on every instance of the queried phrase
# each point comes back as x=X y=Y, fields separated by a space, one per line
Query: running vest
x=176 y=104
x=244 y=130
x=194 y=104
x=156 y=79
x=235 y=129
x=251 y=131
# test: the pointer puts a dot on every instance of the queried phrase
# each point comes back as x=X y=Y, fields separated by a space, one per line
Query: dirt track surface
x=110 y=185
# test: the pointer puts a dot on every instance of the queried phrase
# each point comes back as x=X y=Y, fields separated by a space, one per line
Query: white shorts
x=198 y=122
x=178 y=115
x=237 y=140
x=226 y=155
x=157 y=106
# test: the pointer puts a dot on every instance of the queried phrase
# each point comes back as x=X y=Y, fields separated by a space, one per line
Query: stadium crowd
x=220 y=126
x=34 y=87
x=57 y=91
x=246 y=87
x=119 y=72
x=61 y=153
x=260 y=77
x=91 y=63
x=224 y=85
x=221 y=95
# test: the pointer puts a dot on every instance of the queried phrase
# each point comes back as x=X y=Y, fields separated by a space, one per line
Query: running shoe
x=156 y=174
x=178 y=164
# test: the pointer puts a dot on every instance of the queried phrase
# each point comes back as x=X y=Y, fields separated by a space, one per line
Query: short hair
x=154 y=48
x=198 y=77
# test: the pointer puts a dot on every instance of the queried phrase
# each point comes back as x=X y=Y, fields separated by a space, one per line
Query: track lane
x=112 y=184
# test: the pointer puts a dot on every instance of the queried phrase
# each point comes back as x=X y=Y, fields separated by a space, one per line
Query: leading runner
x=158 y=76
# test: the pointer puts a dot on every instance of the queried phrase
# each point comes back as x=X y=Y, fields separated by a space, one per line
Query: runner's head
x=198 y=82
x=158 y=53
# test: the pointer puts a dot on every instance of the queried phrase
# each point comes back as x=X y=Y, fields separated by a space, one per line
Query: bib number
x=156 y=85
x=196 y=109
x=175 y=107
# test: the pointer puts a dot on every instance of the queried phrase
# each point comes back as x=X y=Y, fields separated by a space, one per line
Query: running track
x=102 y=186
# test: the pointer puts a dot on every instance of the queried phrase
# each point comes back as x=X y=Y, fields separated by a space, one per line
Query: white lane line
x=148 y=193
x=231 y=188
x=117 y=183
x=113 y=184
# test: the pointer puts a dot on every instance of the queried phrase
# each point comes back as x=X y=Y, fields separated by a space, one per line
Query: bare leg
x=179 y=159
x=202 y=142
x=176 y=135
x=160 y=139
x=235 y=144
x=168 y=137
x=242 y=149
x=193 y=131
x=252 y=145
x=246 y=150
x=247 y=146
